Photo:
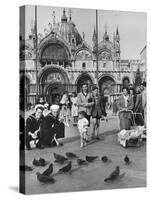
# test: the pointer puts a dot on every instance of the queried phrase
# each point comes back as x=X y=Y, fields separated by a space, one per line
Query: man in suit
x=124 y=104
x=85 y=101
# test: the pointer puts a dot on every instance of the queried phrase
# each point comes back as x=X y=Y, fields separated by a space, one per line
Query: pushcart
x=133 y=137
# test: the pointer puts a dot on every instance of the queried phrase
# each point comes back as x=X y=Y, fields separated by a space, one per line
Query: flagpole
x=97 y=47
x=36 y=56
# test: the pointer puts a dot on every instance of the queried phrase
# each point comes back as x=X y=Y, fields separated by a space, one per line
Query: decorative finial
x=83 y=36
x=64 y=12
x=54 y=17
x=70 y=14
x=105 y=28
x=117 y=31
x=50 y=26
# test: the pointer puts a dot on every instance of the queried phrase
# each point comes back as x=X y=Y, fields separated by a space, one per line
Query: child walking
x=83 y=128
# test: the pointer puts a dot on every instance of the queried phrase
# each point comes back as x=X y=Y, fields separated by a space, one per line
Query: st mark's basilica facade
x=65 y=61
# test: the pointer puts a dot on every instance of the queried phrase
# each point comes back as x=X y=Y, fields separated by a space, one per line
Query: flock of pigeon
x=47 y=176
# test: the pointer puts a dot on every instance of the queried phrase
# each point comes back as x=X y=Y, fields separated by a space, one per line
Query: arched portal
x=106 y=85
x=54 y=82
x=125 y=81
x=54 y=52
x=84 y=78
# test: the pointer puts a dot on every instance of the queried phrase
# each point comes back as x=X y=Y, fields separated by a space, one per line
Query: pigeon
x=25 y=168
x=66 y=168
x=40 y=162
x=114 y=175
x=59 y=158
x=104 y=159
x=81 y=162
x=127 y=160
x=44 y=179
x=91 y=158
x=48 y=171
x=71 y=155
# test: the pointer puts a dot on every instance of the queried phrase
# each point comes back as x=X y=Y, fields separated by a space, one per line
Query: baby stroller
x=133 y=137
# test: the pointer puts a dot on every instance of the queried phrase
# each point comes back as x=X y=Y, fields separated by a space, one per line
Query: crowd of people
x=86 y=109
x=131 y=107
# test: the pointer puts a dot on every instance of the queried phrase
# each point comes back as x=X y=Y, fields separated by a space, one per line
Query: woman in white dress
x=74 y=108
x=65 y=109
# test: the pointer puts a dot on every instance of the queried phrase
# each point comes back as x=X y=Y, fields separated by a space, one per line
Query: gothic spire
x=117 y=31
x=64 y=17
x=94 y=36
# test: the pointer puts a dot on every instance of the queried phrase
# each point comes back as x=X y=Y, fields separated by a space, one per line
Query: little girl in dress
x=83 y=128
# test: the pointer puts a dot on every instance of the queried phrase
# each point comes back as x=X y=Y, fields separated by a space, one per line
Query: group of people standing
x=132 y=107
x=46 y=125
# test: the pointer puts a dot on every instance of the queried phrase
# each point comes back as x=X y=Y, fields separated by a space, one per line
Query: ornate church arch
x=53 y=50
x=84 y=78
x=125 y=81
x=53 y=81
x=83 y=54
x=106 y=83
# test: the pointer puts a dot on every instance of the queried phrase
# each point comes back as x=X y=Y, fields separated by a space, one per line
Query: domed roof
x=68 y=30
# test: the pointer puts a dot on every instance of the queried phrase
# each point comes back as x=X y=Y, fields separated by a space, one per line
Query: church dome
x=68 y=30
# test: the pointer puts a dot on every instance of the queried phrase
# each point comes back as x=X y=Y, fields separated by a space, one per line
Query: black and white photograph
x=83 y=107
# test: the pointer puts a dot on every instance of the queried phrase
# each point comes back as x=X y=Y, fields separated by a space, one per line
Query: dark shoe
x=40 y=146
x=93 y=138
x=97 y=138
x=28 y=147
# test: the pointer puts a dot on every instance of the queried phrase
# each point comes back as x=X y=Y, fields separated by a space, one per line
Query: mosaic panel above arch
x=83 y=55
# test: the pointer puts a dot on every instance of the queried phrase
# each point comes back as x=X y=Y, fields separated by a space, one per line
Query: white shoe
x=82 y=145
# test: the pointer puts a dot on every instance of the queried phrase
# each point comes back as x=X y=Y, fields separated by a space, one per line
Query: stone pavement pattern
x=90 y=177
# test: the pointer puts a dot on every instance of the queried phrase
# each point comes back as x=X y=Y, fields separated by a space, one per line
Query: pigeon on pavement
x=71 y=155
x=66 y=168
x=91 y=158
x=40 y=162
x=127 y=160
x=81 y=162
x=25 y=168
x=49 y=170
x=104 y=159
x=114 y=175
x=44 y=179
x=59 y=158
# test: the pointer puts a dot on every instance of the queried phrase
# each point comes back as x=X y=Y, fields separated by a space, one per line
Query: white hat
x=46 y=105
x=54 y=107
x=39 y=106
